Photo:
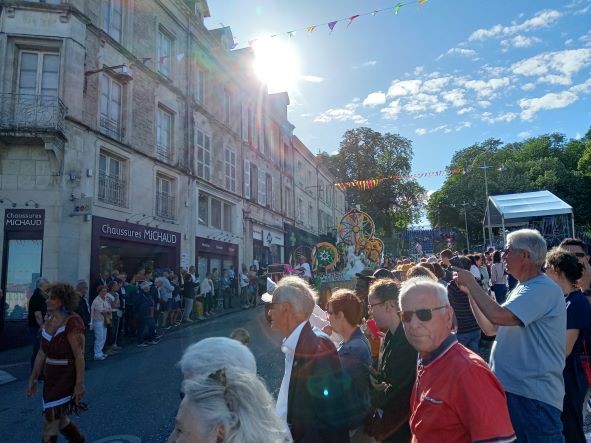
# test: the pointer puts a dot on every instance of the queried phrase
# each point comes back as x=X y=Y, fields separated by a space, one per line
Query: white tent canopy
x=519 y=209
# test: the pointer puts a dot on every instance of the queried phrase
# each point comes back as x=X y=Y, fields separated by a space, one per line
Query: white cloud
x=421 y=131
x=463 y=125
x=586 y=38
x=520 y=41
x=439 y=107
x=346 y=113
x=367 y=64
x=507 y=117
x=375 y=98
x=528 y=86
x=582 y=88
x=312 y=78
x=554 y=67
x=568 y=42
x=419 y=70
x=542 y=19
x=455 y=97
x=435 y=85
x=549 y=101
x=524 y=134
x=487 y=88
x=465 y=110
x=392 y=110
x=582 y=11
x=484 y=103
x=463 y=52
x=404 y=87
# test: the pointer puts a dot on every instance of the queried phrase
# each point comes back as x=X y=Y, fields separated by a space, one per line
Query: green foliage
x=366 y=154
x=545 y=162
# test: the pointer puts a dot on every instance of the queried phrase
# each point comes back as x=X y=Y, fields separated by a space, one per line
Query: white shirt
x=288 y=348
x=306 y=268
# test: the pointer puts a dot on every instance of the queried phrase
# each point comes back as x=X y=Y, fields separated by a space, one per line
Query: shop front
x=129 y=247
x=298 y=242
x=267 y=245
x=215 y=254
x=21 y=267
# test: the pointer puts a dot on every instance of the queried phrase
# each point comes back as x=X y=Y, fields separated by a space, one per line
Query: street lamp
x=464 y=204
x=485 y=167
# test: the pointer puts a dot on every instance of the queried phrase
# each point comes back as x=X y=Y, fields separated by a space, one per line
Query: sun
x=276 y=64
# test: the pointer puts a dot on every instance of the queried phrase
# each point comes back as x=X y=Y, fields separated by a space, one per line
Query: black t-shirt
x=36 y=303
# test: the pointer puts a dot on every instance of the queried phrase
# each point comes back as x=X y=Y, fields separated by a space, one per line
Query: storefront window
x=23 y=269
x=227 y=217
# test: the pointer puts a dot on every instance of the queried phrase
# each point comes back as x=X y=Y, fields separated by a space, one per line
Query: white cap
x=267 y=297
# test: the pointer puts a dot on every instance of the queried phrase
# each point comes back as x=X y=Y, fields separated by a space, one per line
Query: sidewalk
x=18 y=359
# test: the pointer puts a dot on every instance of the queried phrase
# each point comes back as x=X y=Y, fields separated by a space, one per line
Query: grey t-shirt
x=528 y=360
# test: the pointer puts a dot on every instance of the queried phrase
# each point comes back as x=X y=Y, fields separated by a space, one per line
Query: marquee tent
x=541 y=210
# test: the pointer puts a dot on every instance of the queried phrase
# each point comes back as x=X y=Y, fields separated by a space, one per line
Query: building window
x=286 y=158
x=164 y=53
x=230 y=163
x=310 y=215
x=262 y=197
x=216 y=213
x=112 y=188
x=203 y=155
x=203 y=209
x=39 y=74
x=300 y=214
x=269 y=189
x=110 y=111
x=287 y=202
x=227 y=106
x=247 y=189
x=200 y=85
x=164 y=135
x=165 y=199
x=112 y=18
x=254 y=182
x=227 y=221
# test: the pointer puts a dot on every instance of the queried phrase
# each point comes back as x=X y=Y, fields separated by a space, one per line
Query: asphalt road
x=134 y=396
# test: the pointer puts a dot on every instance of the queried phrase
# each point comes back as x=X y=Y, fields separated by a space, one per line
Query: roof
x=526 y=205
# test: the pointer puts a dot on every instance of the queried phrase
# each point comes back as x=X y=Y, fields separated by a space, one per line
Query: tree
x=545 y=162
x=366 y=154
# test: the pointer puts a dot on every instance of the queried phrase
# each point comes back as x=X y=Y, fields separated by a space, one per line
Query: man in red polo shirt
x=455 y=396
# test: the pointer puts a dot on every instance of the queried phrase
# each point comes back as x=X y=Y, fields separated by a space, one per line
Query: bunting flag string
x=372 y=183
x=331 y=24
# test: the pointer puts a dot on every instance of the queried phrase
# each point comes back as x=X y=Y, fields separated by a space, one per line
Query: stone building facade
x=132 y=137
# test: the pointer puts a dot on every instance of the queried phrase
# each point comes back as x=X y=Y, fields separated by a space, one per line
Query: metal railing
x=27 y=112
x=112 y=190
x=163 y=152
x=165 y=205
x=111 y=128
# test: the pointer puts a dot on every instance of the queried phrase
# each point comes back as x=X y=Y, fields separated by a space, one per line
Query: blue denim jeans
x=500 y=293
x=471 y=340
x=534 y=421
x=146 y=322
x=35 y=341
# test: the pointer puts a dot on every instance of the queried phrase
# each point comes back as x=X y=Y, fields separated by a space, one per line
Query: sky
x=445 y=74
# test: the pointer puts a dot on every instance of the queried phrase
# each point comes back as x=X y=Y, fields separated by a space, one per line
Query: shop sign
x=137 y=233
x=24 y=219
x=216 y=246
x=272 y=238
x=257 y=233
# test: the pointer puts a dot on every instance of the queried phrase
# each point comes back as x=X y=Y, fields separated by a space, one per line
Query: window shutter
x=247 y=179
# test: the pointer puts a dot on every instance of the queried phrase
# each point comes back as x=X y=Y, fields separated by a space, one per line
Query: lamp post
x=485 y=167
x=464 y=204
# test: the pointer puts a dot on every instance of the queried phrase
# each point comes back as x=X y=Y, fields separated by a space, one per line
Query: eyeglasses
x=580 y=254
x=371 y=306
x=422 y=314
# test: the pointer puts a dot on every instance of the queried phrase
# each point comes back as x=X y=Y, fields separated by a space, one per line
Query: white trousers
x=188 y=308
x=100 y=336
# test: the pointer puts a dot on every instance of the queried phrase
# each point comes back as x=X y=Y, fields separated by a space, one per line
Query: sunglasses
x=422 y=314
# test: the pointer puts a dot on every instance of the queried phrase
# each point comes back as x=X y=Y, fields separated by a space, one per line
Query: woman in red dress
x=61 y=357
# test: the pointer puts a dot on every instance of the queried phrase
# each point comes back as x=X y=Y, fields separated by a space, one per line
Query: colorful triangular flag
x=353 y=17
x=331 y=25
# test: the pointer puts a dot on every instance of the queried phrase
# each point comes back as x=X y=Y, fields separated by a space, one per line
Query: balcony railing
x=35 y=113
x=165 y=205
x=112 y=190
x=111 y=128
x=163 y=152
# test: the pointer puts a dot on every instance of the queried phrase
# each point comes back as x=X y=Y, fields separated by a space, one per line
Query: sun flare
x=276 y=64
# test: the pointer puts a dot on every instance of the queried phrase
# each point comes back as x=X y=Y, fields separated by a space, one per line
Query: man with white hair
x=528 y=354
x=311 y=399
x=455 y=397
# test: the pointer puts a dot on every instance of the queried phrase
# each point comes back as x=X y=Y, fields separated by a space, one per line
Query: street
x=133 y=396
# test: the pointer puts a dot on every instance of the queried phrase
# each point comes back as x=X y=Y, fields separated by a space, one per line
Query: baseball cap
x=145 y=284
x=267 y=297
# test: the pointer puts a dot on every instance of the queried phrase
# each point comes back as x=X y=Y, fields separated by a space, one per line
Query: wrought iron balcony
x=163 y=152
x=111 y=128
x=21 y=113
x=165 y=205
x=112 y=190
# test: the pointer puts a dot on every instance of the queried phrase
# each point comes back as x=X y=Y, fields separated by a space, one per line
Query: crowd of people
x=395 y=360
